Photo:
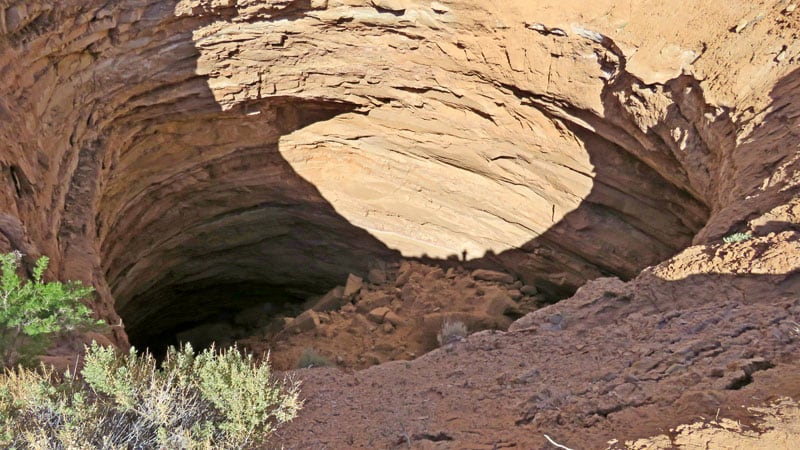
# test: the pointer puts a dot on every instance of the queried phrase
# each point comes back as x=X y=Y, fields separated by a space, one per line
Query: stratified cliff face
x=189 y=158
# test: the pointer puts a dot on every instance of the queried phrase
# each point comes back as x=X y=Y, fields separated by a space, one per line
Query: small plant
x=737 y=237
x=310 y=358
x=452 y=331
x=214 y=399
x=33 y=312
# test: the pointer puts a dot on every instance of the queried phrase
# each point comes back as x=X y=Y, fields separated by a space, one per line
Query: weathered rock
x=529 y=290
x=392 y=318
x=377 y=276
x=372 y=300
x=492 y=275
x=403 y=278
x=307 y=321
x=435 y=274
x=359 y=323
x=353 y=286
x=496 y=303
x=331 y=301
x=377 y=315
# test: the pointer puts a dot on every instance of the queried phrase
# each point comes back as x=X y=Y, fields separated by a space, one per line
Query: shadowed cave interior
x=259 y=234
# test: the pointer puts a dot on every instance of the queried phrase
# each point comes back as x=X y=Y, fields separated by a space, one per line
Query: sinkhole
x=225 y=221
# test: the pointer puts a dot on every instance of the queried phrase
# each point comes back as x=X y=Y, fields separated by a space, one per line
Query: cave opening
x=247 y=241
x=211 y=224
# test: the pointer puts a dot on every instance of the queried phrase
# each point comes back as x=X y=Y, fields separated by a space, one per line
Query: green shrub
x=310 y=358
x=214 y=399
x=33 y=312
x=737 y=237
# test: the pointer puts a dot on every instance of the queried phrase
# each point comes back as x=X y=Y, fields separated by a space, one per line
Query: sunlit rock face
x=191 y=158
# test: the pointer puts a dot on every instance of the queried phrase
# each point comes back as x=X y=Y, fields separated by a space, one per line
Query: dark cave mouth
x=219 y=314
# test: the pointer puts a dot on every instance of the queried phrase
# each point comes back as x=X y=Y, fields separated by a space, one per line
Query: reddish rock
x=331 y=301
x=492 y=275
x=307 y=321
x=353 y=286
x=377 y=315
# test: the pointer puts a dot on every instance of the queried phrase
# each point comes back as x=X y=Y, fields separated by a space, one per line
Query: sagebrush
x=34 y=312
x=737 y=237
x=214 y=399
x=309 y=358
x=451 y=331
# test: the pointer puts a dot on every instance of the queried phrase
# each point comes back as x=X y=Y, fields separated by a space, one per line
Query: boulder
x=353 y=286
x=372 y=300
x=331 y=301
x=392 y=318
x=496 y=303
x=377 y=314
x=307 y=321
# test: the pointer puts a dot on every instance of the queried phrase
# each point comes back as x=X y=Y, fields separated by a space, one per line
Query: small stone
x=358 y=324
x=624 y=390
x=388 y=328
x=372 y=300
x=376 y=276
x=451 y=273
x=15 y=16
x=790 y=9
x=377 y=314
x=675 y=368
x=435 y=274
x=392 y=318
x=741 y=25
x=408 y=294
x=515 y=295
x=353 y=285
x=403 y=278
x=492 y=275
x=529 y=290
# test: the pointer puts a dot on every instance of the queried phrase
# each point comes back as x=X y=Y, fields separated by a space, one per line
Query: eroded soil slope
x=617 y=361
